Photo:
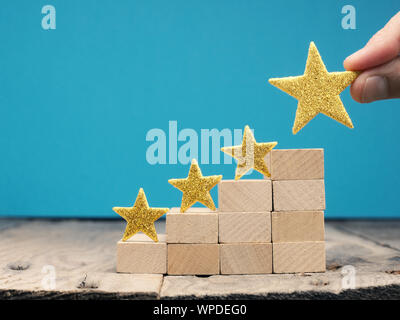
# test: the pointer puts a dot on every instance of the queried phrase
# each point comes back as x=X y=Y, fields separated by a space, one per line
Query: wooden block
x=245 y=195
x=297 y=164
x=246 y=258
x=196 y=225
x=244 y=227
x=140 y=254
x=192 y=259
x=297 y=226
x=293 y=257
x=299 y=195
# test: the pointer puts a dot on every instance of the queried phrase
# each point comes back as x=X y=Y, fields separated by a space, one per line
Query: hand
x=379 y=63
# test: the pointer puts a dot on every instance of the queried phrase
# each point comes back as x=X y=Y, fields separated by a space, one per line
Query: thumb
x=379 y=83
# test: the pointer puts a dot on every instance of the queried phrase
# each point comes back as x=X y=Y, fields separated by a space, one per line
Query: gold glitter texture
x=317 y=91
x=196 y=188
x=250 y=154
x=140 y=217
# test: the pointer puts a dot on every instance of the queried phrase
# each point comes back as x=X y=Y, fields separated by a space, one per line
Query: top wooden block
x=140 y=254
x=245 y=195
x=196 y=225
x=297 y=164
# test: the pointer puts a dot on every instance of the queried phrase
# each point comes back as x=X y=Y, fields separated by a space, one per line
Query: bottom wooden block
x=140 y=254
x=246 y=258
x=192 y=259
x=293 y=257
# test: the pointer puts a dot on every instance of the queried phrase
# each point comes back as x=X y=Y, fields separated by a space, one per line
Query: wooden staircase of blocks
x=271 y=225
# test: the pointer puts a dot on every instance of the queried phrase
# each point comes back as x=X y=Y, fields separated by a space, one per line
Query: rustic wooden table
x=75 y=259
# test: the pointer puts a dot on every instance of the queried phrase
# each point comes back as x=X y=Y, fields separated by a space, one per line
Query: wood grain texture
x=245 y=195
x=246 y=258
x=82 y=253
x=244 y=227
x=297 y=226
x=140 y=254
x=299 y=195
x=297 y=164
x=196 y=225
x=293 y=257
x=193 y=259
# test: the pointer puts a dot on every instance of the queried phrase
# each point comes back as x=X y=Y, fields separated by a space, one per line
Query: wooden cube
x=244 y=227
x=246 y=258
x=297 y=164
x=193 y=259
x=196 y=225
x=293 y=257
x=299 y=195
x=140 y=254
x=245 y=195
x=297 y=226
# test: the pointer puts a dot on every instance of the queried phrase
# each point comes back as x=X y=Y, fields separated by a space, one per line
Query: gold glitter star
x=317 y=91
x=140 y=217
x=196 y=187
x=250 y=154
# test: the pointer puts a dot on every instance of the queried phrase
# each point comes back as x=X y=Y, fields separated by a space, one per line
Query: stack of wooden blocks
x=272 y=225
x=297 y=178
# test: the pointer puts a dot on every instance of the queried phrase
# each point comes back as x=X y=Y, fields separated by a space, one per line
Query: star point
x=196 y=187
x=250 y=154
x=317 y=91
x=140 y=217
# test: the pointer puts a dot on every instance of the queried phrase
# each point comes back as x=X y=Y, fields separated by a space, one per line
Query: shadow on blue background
x=77 y=102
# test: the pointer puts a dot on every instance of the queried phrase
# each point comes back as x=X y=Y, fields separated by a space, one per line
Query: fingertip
x=355 y=61
x=347 y=63
x=356 y=90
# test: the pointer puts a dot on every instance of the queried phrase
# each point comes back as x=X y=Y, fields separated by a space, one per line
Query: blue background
x=76 y=102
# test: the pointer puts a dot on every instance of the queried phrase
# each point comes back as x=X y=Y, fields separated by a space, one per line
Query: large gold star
x=250 y=154
x=317 y=91
x=196 y=187
x=140 y=217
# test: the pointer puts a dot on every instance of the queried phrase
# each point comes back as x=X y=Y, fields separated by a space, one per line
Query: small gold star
x=196 y=187
x=250 y=154
x=140 y=217
x=317 y=91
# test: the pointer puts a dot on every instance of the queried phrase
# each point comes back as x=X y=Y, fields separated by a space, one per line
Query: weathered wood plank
x=81 y=255
x=84 y=270
x=383 y=232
